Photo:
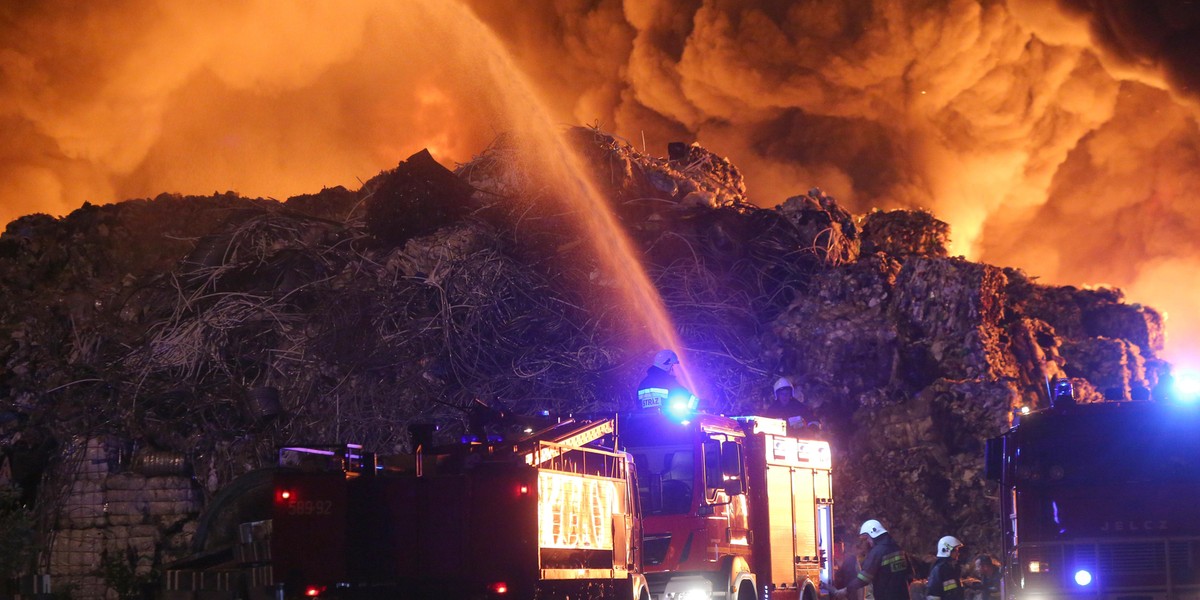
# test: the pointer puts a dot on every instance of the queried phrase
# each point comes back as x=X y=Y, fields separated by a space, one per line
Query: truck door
x=729 y=528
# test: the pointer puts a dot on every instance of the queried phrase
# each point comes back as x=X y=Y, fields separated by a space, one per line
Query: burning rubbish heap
x=156 y=350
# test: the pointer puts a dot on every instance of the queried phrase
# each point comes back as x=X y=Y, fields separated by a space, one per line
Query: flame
x=1058 y=137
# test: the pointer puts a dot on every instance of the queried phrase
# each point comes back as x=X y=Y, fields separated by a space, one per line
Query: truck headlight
x=688 y=588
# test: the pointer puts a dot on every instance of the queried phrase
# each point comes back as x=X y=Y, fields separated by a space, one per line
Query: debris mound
x=903 y=233
x=414 y=199
x=164 y=348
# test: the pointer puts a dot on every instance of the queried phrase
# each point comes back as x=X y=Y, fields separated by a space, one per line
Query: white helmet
x=946 y=545
x=781 y=383
x=665 y=358
x=872 y=528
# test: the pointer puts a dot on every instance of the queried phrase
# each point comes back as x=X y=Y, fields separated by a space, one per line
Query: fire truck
x=726 y=508
x=733 y=508
x=553 y=515
x=1100 y=500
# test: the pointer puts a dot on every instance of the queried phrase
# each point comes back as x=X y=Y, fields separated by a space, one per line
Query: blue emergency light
x=681 y=405
x=1083 y=578
x=1187 y=386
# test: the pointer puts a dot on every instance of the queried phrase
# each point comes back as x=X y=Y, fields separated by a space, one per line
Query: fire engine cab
x=1099 y=501
x=733 y=507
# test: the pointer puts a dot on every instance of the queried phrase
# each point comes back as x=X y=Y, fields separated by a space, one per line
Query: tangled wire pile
x=219 y=329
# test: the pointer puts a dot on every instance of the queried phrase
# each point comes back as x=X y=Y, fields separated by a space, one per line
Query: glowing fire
x=1053 y=136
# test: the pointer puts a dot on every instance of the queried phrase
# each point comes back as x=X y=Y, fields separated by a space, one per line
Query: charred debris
x=155 y=350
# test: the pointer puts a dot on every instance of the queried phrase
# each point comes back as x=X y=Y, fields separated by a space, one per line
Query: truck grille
x=1132 y=566
x=1134 y=558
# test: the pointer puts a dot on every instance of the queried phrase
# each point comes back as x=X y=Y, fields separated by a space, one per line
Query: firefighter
x=849 y=560
x=659 y=389
x=945 y=578
x=787 y=406
x=989 y=577
x=885 y=566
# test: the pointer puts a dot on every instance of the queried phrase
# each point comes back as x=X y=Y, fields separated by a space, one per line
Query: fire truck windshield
x=1111 y=472
x=665 y=455
x=1073 y=451
x=665 y=472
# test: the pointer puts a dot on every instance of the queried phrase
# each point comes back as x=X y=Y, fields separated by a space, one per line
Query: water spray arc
x=542 y=143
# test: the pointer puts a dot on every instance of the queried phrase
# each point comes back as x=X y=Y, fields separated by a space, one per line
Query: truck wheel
x=746 y=592
x=248 y=498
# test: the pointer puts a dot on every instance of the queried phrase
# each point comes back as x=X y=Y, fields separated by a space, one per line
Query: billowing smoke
x=1059 y=137
x=106 y=101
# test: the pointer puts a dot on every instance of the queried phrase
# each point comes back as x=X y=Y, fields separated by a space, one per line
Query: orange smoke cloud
x=109 y=101
x=1058 y=137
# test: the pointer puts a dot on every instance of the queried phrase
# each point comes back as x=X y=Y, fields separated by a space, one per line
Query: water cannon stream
x=542 y=144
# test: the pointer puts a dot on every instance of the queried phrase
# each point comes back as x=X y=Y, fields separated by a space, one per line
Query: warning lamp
x=1083 y=577
x=1037 y=566
x=313 y=591
x=524 y=490
x=285 y=495
x=498 y=587
x=681 y=405
x=1187 y=386
x=679 y=408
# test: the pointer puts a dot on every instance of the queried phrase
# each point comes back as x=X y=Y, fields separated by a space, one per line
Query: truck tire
x=248 y=498
x=747 y=592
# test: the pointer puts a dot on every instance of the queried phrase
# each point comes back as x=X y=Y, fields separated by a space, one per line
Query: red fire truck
x=733 y=508
x=546 y=517
x=1100 y=501
x=727 y=508
x=553 y=515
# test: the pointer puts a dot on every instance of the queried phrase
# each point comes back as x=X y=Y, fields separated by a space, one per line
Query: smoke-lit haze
x=1059 y=137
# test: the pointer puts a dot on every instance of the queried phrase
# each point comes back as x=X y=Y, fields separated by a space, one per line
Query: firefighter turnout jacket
x=945 y=580
x=886 y=567
x=655 y=387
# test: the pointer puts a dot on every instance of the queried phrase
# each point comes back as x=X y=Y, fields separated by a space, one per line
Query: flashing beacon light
x=1187 y=385
x=313 y=591
x=285 y=495
x=498 y=587
x=1083 y=577
x=681 y=405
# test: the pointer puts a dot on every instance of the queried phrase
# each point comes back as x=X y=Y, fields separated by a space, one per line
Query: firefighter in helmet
x=945 y=578
x=885 y=567
x=660 y=390
x=786 y=406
